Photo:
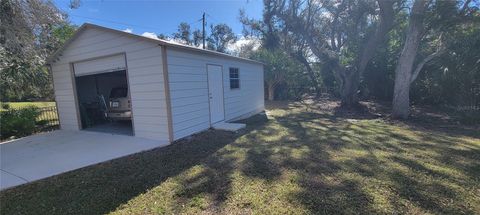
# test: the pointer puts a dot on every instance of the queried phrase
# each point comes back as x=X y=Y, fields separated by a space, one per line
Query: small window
x=234 y=78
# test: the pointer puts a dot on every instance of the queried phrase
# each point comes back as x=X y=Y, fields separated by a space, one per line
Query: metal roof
x=161 y=42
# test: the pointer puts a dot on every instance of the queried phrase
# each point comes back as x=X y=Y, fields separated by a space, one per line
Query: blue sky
x=160 y=16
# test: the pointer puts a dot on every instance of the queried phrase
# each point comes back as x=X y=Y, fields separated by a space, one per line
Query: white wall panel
x=145 y=74
x=189 y=90
x=187 y=80
x=104 y=64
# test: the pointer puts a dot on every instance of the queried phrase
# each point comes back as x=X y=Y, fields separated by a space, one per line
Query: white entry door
x=215 y=93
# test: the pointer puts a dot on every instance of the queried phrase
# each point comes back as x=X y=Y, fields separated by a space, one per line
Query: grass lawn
x=301 y=161
x=17 y=105
x=48 y=115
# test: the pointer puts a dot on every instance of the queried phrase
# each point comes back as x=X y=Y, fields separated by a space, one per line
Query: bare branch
x=419 y=67
x=465 y=7
x=440 y=50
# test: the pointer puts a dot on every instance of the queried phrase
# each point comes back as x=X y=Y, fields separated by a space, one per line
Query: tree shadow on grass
x=102 y=188
x=325 y=197
x=348 y=192
x=427 y=196
x=258 y=164
x=321 y=194
x=213 y=181
x=340 y=166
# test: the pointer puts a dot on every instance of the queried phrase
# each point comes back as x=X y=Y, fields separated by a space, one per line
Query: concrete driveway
x=40 y=156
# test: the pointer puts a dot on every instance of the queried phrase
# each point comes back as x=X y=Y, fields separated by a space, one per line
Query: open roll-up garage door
x=100 y=65
x=102 y=95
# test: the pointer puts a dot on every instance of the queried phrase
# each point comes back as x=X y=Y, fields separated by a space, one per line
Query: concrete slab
x=10 y=180
x=227 y=126
x=120 y=127
x=44 y=155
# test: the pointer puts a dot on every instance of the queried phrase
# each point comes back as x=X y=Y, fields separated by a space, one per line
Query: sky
x=160 y=16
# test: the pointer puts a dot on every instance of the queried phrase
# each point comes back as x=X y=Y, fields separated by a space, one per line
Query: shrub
x=5 y=106
x=18 y=122
x=469 y=117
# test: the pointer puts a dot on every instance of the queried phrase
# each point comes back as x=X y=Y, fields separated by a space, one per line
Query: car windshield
x=118 y=92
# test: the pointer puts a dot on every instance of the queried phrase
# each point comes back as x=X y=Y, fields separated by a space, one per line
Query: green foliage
x=197 y=38
x=18 y=122
x=378 y=79
x=284 y=74
x=22 y=81
x=278 y=66
x=162 y=37
x=60 y=34
x=326 y=78
x=5 y=106
x=220 y=36
x=343 y=28
x=454 y=77
x=31 y=31
x=183 y=33
x=469 y=117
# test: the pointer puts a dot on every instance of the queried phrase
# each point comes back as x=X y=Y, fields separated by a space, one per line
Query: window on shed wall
x=234 y=78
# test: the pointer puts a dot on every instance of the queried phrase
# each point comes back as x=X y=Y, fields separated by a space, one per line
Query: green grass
x=49 y=116
x=17 y=105
x=297 y=162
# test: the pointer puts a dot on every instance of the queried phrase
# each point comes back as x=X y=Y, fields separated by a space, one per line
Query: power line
x=203 y=20
x=194 y=22
x=119 y=23
x=210 y=16
x=128 y=24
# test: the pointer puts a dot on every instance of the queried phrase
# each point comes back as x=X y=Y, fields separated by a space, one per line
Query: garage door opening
x=104 y=102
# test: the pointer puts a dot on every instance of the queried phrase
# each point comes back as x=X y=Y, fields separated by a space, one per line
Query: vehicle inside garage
x=104 y=102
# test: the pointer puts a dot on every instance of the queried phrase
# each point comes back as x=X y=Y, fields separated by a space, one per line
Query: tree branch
x=465 y=7
x=384 y=26
x=440 y=49
x=419 y=67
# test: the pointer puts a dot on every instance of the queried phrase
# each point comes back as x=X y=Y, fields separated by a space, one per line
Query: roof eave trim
x=57 y=53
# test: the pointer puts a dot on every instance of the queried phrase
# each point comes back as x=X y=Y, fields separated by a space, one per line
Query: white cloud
x=150 y=34
x=235 y=48
x=128 y=30
x=176 y=41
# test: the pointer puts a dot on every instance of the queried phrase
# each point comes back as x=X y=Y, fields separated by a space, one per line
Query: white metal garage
x=174 y=90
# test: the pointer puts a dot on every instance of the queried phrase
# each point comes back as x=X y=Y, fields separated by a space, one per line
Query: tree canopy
x=218 y=39
x=29 y=32
x=364 y=44
x=419 y=51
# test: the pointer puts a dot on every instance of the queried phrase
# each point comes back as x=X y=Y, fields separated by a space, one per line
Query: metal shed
x=173 y=90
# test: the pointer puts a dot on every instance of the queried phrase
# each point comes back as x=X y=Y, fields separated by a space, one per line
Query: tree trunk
x=313 y=78
x=271 y=92
x=349 y=77
x=311 y=74
x=401 y=94
x=349 y=89
x=403 y=71
x=385 y=24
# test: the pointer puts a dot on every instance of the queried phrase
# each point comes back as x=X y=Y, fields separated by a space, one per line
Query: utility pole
x=203 y=32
